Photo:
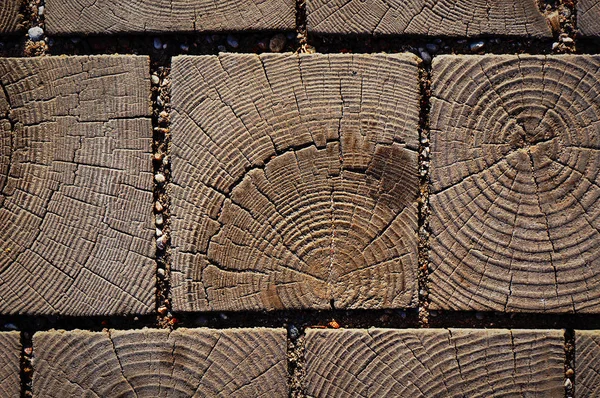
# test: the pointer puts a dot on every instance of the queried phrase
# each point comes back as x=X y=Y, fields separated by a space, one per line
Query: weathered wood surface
x=587 y=363
x=76 y=186
x=294 y=181
x=434 y=363
x=10 y=357
x=428 y=17
x=588 y=17
x=109 y=16
x=159 y=363
x=10 y=19
x=515 y=183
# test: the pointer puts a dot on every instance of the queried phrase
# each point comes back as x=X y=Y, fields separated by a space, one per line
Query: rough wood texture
x=76 y=186
x=9 y=16
x=159 y=363
x=516 y=183
x=109 y=16
x=428 y=17
x=588 y=17
x=295 y=181
x=434 y=363
x=10 y=357
x=587 y=363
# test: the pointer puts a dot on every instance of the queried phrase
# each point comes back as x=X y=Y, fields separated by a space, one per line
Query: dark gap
x=569 y=363
x=160 y=68
x=512 y=320
x=301 y=32
x=296 y=360
x=423 y=199
x=26 y=368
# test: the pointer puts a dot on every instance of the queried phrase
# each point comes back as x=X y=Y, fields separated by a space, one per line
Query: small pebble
x=158 y=207
x=232 y=41
x=293 y=331
x=569 y=372
x=263 y=44
x=161 y=271
x=223 y=316
x=433 y=313
x=567 y=40
x=477 y=46
x=159 y=218
x=155 y=79
x=162 y=310
x=157 y=43
x=159 y=232
x=159 y=177
x=555 y=45
x=221 y=48
x=161 y=242
x=184 y=47
x=10 y=326
x=277 y=43
x=568 y=383
x=36 y=33
x=425 y=56
x=28 y=350
x=432 y=48
x=41 y=10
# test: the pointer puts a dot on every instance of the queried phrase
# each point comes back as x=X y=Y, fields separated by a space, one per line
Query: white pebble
x=36 y=33
x=155 y=79
x=157 y=43
x=161 y=242
x=477 y=46
x=159 y=232
x=425 y=56
x=159 y=177
x=232 y=41
x=159 y=218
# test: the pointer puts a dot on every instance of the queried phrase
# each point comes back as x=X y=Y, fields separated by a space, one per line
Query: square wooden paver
x=10 y=358
x=515 y=204
x=434 y=363
x=295 y=181
x=161 y=363
x=165 y=16
x=76 y=186
x=428 y=17
x=588 y=17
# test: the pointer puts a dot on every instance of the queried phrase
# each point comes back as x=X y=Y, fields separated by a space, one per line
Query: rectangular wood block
x=10 y=368
x=434 y=363
x=10 y=19
x=161 y=363
x=588 y=17
x=428 y=17
x=164 y=16
x=76 y=186
x=515 y=174
x=295 y=181
x=587 y=363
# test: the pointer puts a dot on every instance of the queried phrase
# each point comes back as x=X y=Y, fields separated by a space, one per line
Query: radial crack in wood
x=515 y=175
x=128 y=16
x=76 y=186
x=434 y=363
x=10 y=357
x=428 y=17
x=294 y=181
x=161 y=363
x=588 y=17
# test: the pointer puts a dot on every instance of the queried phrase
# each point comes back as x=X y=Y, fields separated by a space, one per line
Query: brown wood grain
x=434 y=363
x=76 y=186
x=588 y=17
x=428 y=17
x=294 y=181
x=108 y=16
x=10 y=357
x=10 y=17
x=587 y=365
x=515 y=183
x=161 y=363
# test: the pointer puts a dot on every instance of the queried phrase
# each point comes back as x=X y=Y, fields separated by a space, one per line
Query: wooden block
x=434 y=363
x=161 y=363
x=164 y=16
x=10 y=368
x=515 y=204
x=587 y=363
x=428 y=17
x=294 y=181
x=76 y=186
x=10 y=18
x=588 y=17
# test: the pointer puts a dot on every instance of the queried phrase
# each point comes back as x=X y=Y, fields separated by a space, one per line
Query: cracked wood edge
x=76 y=179
x=107 y=16
x=294 y=181
x=10 y=357
x=428 y=17
x=434 y=363
x=515 y=183
x=153 y=362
